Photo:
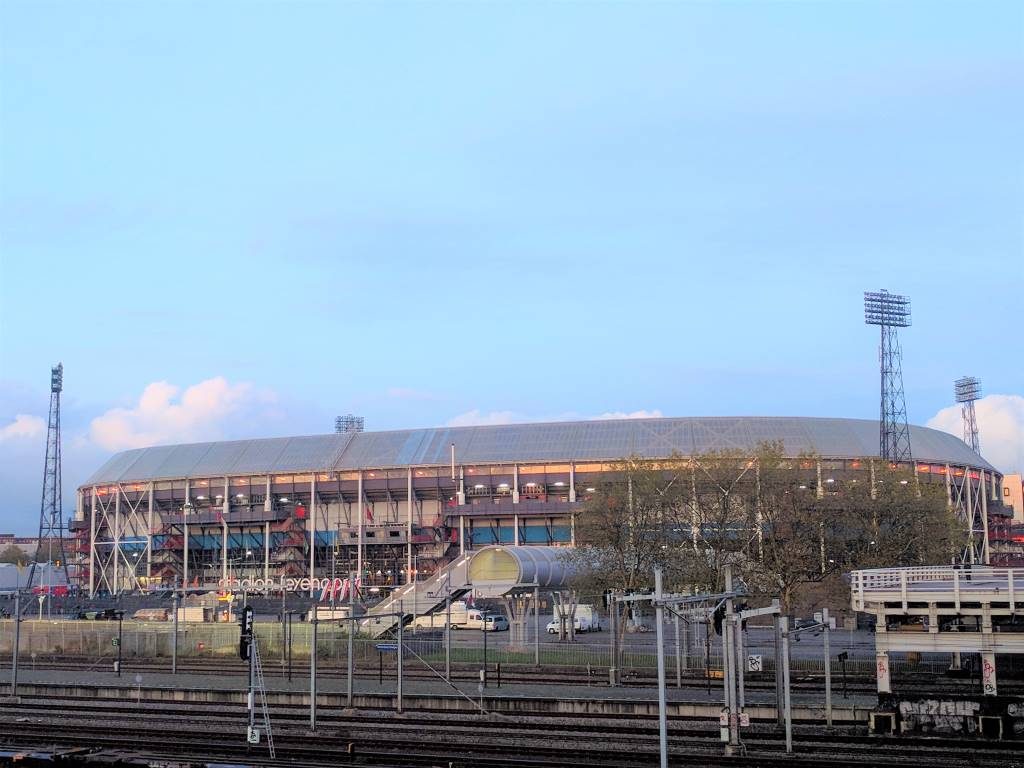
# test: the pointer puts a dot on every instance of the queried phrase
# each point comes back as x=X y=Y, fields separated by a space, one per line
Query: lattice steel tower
x=51 y=518
x=968 y=389
x=889 y=312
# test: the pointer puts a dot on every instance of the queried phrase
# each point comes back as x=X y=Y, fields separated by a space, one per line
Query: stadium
x=391 y=505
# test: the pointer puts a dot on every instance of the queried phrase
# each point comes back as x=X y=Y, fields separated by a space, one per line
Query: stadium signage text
x=329 y=588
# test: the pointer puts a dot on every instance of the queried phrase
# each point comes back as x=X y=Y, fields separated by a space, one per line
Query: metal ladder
x=262 y=688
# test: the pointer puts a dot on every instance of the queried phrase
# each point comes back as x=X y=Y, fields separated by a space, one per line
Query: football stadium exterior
x=392 y=504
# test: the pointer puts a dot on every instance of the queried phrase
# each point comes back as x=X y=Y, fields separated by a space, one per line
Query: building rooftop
x=524 y=443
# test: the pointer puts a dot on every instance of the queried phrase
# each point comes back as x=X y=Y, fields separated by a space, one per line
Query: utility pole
x=659 y=613
x=613 y=662
x=679 y=665
x=117 y=664
x=17 y=642
x=312 y=675
x=730 y=673
x=536 y=625
x=780 y=703
x=828 y=669
x=401 y=622
x=786 y=703
x=352 y=626
x=174 y=638
x=448 y=628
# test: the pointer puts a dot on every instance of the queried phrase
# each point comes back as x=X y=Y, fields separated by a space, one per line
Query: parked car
x=108 y=614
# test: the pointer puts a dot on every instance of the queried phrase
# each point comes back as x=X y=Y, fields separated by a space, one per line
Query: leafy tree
x=13 y=554
x=770 y=517
x=631 y=524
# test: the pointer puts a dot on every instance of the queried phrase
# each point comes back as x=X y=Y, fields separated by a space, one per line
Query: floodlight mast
x=51 y=517
x=967 y=390
x=890 y=311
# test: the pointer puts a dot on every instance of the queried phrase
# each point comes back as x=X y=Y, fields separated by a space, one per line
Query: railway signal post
x=245 y=653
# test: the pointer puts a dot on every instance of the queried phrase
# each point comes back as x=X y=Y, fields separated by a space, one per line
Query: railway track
x=211 y=731
x=933 y=685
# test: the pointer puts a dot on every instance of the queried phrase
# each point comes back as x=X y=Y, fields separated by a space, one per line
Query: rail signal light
x=245 y=636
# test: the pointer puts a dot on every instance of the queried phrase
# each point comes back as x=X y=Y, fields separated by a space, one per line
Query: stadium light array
x=967 y=389
x=884 y=308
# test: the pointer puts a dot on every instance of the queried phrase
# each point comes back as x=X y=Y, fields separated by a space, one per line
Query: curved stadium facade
x=390 y=504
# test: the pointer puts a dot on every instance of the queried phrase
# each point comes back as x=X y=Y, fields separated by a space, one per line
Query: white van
x=462 y=617
x=586 y=619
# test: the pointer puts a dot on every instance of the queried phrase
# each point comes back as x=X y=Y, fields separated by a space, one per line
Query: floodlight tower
x=968 y=389
x=348 y=423
x=51 y=517
x=889 y=312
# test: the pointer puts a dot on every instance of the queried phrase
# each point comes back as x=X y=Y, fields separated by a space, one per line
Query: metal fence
x=50 y=640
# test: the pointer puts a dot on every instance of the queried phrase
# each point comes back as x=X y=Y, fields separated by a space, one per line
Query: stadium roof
x=523 y=443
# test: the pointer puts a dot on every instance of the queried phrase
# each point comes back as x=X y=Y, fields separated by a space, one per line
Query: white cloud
x=161 y=416
x=475 y=418
x=1000 y=429
x=23 y=426
x=655 y=414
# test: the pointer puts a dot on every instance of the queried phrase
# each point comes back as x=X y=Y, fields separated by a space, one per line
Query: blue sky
x=427 y=212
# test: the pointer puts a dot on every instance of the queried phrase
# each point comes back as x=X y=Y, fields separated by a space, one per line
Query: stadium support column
x=515 y=483
x=820 y=490
x=225 y=507
x=117 y=537
x=409 y=575
x=874 y=491
x=949 y=487
x=515 y=529
x=149 y=536
x=360 y=511
x=184 y=527
x=572 y=483
x=984 y=519
x=462 y=534
x=971 y=543
x=312 y=533
x=92 y=544
x=266 y=550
